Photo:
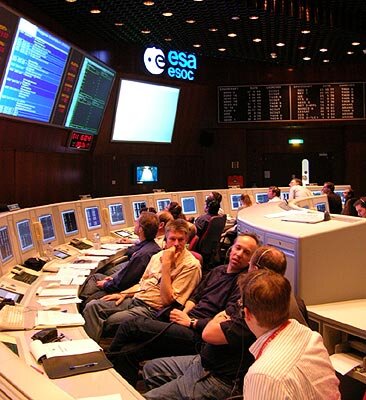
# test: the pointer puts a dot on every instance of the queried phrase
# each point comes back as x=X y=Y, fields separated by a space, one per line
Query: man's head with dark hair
x=273 y=191
x=266 y=296
x=295 y=181
x=328 y=187
x=149 y=223
x=360 y=206
x=212 y=206
x=175 y=209
x=268 y=257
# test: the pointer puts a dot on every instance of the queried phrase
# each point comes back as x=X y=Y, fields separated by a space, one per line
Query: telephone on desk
x=80 y=244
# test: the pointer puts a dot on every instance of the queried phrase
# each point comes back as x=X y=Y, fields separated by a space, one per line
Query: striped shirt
x=294 y=365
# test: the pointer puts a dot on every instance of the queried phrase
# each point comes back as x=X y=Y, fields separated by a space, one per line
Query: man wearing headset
x=217 y=372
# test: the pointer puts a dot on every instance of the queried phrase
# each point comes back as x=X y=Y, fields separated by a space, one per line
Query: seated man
x=217 y=292
x=171 y=276
x=212 y=208
x=129 y=273
x=297 y=191
x=274 y=194
x=291 y=360
x=217 y=372
x=334 y=200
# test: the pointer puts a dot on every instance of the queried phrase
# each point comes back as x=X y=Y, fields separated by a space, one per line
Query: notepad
x=58 y=318
x=65 y=348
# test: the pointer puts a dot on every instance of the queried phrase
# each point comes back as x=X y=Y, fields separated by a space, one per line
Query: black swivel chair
x=208 y=245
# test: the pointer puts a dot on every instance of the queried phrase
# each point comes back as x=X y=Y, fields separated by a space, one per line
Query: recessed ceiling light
x=232 y=34
x=254 y=17
x=70 y=1
x=222 y=49
x=168 y=39
x=273 y=55
x=323 y=50
x=198 y=0
x=95 y=11
x=306 y=31
x=326 y=61
x=190 y=21
x=290 y=69
x=118 y=23
x=197 y=45
x=167 y=14
x=356 y=43
x=145 y=31
x=257 y=40
x=280 y=44
x=235 y=18
x=302 y=47
x=213 y=29
x=306 y=58
x=149 y=3
x=350 y=52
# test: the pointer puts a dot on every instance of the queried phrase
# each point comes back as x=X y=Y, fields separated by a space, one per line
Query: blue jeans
x=182 y=378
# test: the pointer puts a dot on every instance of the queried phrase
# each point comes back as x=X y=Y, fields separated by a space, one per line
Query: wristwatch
x=192 y=323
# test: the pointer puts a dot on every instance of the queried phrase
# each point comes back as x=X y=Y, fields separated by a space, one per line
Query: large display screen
x=33 y=73
x=145 y=112
x=90 y=97
x=6 y=252
x=146 y=174
x=43 y=79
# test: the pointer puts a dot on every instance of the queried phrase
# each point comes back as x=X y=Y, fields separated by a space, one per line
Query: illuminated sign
x=80 y=141
x=176 y=64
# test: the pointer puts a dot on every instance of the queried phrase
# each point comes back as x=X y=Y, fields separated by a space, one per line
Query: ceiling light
x=306 y=58
x=232 y=34
x=257 y=40
x=323 y=50
x=305 y=31
x=356 y=43
x=167 y=14
x=280 y=44
x=325 y=61
x=197 y=0
x=213 y=29
x=148 y=3
x=118 y=23
x=235 y=18
x=168 y=39
x=197 y=45
x=302 y=47
x=190 y=21
x=222 y=49
x=145 y=31
x=95 y=11
x=254 y=17
x=70 y=1
x=350 y=53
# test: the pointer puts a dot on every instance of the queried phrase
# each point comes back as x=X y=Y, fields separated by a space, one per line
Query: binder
x=64 y=366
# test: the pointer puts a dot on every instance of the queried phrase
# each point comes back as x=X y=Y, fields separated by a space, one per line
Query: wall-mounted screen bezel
x=92 y=218
x=24 y=233
x=66 y=228
x=186 y=203
x=48 y=227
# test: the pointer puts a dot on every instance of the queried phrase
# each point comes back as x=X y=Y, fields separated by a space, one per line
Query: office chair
x=208 y=245
x=192 y=245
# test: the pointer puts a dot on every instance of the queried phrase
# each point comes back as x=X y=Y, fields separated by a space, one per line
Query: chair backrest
x=192 y=245
x=198 y=256
x=209 y=242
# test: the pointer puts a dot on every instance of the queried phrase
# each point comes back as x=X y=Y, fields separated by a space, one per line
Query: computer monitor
x=162 y=204
x=235 y=201
x=116 y=214
x=136 y=208
x=322 y=207
x=261 y=197
x=285 y=195
x=189 y=205
x=48 y=228
x=25 y=235
x=92 y=218
x=6 y=250
x=69 y=222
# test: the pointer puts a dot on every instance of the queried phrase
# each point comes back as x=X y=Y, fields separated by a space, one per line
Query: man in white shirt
x=274 y=193
x=291 y=361
x=298 y=191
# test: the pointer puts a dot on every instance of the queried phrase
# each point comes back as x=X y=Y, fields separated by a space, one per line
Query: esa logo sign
x=177 y=64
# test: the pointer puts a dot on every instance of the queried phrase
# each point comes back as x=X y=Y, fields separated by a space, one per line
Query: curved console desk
x=326 y=260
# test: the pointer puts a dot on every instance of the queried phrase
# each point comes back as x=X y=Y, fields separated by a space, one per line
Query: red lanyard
x=271 y=337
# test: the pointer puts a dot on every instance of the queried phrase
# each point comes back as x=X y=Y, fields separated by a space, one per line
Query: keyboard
x=25 y=277
x=14 y=318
